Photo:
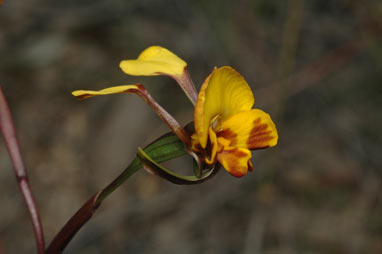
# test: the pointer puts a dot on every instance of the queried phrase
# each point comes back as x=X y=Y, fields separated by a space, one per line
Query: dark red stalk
x=9 y=134
x=75 y=223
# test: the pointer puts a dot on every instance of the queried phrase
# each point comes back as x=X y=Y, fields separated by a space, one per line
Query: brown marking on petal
x=204 y=153
x=237 y=171
x=250 y=165
x=258 y=128
x=231 y=158
x=259 y=137
x=83 y=96
x=237 y=153
x=228 y=134
x=257 y=121
x=260 y=141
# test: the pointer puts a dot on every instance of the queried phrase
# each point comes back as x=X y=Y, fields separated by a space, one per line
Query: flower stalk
x=188 y=87
x=12 y=144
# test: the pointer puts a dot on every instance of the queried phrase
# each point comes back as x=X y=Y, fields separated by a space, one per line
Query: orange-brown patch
x=228 y=134
x=231 y=158
x=83 y=96
x=202 y=152
x=237 y=153
x=259 y=136
x=237 y=172
x=257 y=121
x=250 y=165
x=260 y=141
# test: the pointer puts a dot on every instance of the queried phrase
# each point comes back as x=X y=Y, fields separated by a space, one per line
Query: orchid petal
x=153 y=61
x=156 y=60
x=252 y=129
x=85 y=94
x=223 y=94
x=214 y=147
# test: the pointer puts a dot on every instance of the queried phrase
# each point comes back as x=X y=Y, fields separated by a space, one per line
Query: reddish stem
x=176 y=128
x=73 y=226
x=9 y=134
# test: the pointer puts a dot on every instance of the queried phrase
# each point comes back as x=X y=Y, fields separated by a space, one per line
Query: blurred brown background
x=315 y=66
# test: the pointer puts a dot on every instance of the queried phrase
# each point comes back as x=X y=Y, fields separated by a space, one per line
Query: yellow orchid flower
x=226 y=126
x=153 y=61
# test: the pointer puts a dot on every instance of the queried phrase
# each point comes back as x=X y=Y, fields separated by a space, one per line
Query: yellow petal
x=224 y=93
x=153 y=61
x=252 y=129
x=214 y=147
x=84 y=94
x=235 y=161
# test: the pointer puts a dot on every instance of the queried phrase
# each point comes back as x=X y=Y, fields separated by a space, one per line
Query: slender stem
x=75 y=223
x=9 y=134
x=87 y=210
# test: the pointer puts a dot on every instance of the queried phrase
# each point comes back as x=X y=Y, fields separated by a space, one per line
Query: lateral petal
x=252 y=129
x=223 y=94
x=84 y=94
x=153 y=61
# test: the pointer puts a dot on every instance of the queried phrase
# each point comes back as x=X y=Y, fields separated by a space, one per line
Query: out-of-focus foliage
x=315 y=66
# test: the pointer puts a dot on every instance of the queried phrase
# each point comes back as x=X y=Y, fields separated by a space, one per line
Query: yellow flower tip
x=85 y=94
x=153 y=61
